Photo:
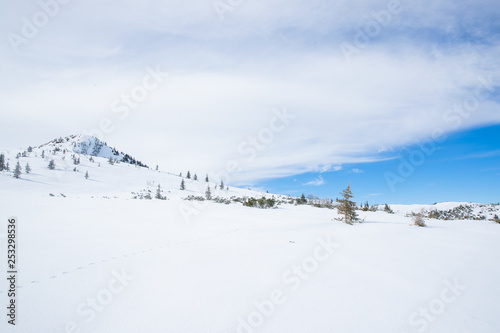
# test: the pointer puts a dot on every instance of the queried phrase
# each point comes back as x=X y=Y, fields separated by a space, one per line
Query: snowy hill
x=110 y=173
x=93 y=257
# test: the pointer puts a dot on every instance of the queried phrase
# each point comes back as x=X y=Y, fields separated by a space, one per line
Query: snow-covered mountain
x=111 y=173
x=88 y=145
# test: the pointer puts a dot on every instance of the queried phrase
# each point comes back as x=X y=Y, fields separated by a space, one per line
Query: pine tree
x=17 y=171
x=7 y=167
x=157 y=167
x=86 y=175
x=2 y=162
x=303 y=199
x=206 y=179
x=52 y=165
x=43 y=153
x=388 y=209
x=158 y=193
x=188 y=175
x=221 y=185
x=195 y=177
x=110 y=161
x=183 y=185
x=180 y=175
x=347 y=207
x=27 y=168
x=208 y=193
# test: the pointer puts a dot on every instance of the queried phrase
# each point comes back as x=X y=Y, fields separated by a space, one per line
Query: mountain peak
x=89 y=145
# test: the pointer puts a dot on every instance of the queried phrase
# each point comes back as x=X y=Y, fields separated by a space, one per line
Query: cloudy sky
x=290 y=95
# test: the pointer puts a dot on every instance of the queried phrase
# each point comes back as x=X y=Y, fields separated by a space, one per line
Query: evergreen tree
x=52 y=165
x=347 y=207
x=30 y=149
x=110 y=161
x=221 y=185
x=2 y=162
x=157 y=167
x=158 y=193
x=195 y=177
x=7 y=167
x=180 y=175
x=303 y=199
x=208 y=193
x=388 y=209
x=206 y=179
x=17 y=170
x=27 y=168
x=43 y=153
x=188 y=175
x=86 y=175
x=183 y=185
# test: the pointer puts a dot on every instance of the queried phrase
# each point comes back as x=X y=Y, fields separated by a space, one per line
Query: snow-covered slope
x=79 y=155
x=93 y=259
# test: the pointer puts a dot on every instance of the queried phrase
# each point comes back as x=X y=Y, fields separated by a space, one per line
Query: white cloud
x=316 y=182
x=357 y=170
x=226 y=77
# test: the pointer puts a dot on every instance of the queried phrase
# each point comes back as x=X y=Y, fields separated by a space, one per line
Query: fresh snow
x=93 y=259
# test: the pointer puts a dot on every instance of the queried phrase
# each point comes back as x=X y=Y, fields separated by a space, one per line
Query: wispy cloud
x=357 y=170
x=316 y=182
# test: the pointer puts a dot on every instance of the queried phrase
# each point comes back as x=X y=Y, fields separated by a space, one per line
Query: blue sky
x=183 y=85
x=464 y=167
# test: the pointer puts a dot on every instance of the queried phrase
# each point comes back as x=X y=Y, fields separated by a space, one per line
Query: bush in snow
x=418 y=220
x=52 y=165
x=262 y=203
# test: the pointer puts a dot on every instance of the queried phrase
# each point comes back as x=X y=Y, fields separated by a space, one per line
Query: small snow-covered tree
x=183 y=185
x=2 y=162
x=206 y=179
x=388 y=209
x=7 y=167
x=52 y=165
x=158 y=193
x=43 y=153
x=17 y=170
x=208 y=193
x=188 y=176
x=110 y=161
x=86 y=175
x=346 y=207
x=27 y=168
x=221 y=185
x=195 y=177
